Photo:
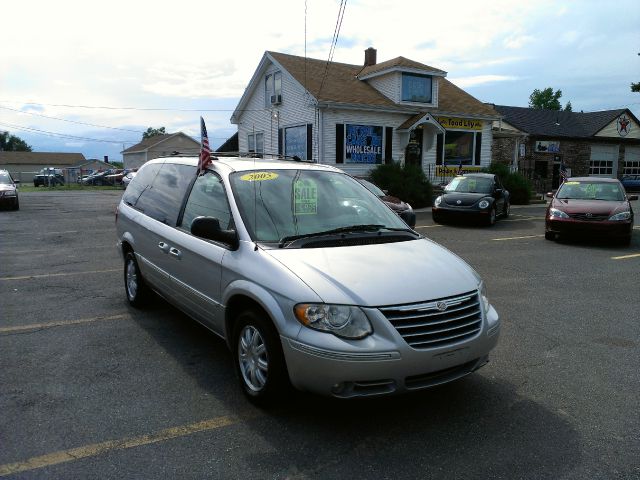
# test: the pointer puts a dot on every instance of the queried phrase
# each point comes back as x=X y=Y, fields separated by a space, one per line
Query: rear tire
x=134 y=285
x=258 y=358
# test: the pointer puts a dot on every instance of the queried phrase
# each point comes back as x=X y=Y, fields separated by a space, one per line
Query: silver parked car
x=310 y=278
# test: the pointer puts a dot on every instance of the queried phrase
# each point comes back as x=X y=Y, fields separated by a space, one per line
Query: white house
x=159 y=146
x=356 y=116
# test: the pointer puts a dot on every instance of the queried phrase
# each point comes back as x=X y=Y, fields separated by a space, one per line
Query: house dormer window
x=416 y=88
x=273 y=89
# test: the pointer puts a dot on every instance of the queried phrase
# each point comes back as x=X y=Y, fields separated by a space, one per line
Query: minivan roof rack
x=271 y=156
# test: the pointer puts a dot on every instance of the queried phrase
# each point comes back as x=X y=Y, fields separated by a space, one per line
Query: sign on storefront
x=450 y=170
x=451 y=123
x=547 y=147
x=363 y=144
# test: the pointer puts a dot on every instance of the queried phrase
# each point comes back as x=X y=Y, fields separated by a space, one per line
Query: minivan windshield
x=278 y=204
x=470 y=185
x=590 y=190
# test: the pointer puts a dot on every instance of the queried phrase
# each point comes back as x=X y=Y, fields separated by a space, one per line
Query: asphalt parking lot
x=92 y=388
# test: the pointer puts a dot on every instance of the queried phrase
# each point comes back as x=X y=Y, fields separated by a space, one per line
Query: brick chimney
x=370 y=57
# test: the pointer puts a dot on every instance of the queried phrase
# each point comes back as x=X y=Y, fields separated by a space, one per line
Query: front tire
x=134 y=285
x=258 y=358
x=492 y=216
x=549 y=235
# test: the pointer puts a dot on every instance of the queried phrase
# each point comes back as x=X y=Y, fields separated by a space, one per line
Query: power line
x=334 y=41
x=63 y=135
x=98 y=107
x=71 y=121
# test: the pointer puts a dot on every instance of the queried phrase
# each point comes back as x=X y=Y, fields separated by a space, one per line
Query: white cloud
x=474 y=81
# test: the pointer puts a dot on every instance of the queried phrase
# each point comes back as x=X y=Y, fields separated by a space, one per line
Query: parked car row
x=582 y=206
x=110 y=177
x=48 y=177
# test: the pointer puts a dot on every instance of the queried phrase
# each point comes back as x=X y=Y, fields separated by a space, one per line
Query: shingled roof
x=342 y=85
x=148 y=142
x=554 y=123
x=41 y=158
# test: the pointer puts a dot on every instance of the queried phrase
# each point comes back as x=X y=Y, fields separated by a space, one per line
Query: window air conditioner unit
x=276 y=99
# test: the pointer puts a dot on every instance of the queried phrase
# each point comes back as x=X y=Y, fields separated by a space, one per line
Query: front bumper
x=450 y=212
x=599 y=229
x=8 y=200
x=382 y=363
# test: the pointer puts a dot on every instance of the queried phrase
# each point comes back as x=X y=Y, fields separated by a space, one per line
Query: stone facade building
x=537 y=141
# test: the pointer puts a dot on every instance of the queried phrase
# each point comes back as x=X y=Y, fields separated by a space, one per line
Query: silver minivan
x=312 y=280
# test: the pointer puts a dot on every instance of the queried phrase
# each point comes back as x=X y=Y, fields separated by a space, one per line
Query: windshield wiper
x=351 y=228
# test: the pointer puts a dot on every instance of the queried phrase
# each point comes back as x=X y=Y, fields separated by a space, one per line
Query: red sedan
x=590 y=206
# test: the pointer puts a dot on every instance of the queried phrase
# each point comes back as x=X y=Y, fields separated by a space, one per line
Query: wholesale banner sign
x=363 y=144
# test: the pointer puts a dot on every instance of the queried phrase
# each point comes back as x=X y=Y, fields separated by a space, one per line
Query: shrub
x=407 y=182
x=519 y=186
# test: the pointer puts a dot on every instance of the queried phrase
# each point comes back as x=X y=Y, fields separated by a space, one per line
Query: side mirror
x=631 y=198
x=549 y=194
x=209 y=228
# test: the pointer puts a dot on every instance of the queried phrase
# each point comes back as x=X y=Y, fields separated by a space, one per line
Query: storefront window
x=295 y=142
x=458 y=148
x=363 y=144
x=416 y=88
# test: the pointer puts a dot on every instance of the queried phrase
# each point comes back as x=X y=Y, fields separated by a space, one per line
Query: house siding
x=296 y=109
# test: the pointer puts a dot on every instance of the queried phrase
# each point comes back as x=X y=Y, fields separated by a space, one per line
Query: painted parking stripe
x=624 y=257
x=427 y=226
x=516 y=238
x=48 y=275
x=61 y=323
x=48 y=250
x=96 y=449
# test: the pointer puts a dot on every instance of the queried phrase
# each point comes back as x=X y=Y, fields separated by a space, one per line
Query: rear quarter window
x=160 y=192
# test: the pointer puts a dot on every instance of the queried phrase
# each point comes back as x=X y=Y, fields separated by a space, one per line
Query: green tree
x=152 y=132
x=568 y=107
x=547 y=99
x=11 y=143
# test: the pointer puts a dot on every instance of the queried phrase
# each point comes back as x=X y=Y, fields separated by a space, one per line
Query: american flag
x=205 y=151
x=563 y=172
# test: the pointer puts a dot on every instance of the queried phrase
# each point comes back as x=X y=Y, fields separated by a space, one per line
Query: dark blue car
x=631 y=183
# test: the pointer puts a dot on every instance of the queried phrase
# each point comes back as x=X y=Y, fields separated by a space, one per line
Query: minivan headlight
x=341 y=320
x=483 y=297
x=626 y=215
x=438 y=201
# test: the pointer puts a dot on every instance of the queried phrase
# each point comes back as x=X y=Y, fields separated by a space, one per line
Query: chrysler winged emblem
x=458 y=202
x=442 y=306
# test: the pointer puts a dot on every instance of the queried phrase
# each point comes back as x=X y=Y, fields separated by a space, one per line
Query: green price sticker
x=305 y=197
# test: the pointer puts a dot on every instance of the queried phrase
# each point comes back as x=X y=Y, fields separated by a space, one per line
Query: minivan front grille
x=437 y=323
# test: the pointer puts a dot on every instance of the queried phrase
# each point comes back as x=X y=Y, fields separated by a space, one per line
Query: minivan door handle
x=175 y=252
x=164 y=247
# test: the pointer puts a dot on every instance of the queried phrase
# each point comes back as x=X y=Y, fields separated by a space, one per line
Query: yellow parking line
x=516 y=238
x=47 y=275
x=96 y=449
x=623 y=257
x=60 y=323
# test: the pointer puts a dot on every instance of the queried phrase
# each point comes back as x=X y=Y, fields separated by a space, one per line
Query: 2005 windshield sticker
x=258 y=176
x=305 y=197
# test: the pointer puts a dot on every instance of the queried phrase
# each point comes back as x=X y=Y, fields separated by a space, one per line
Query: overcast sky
x=163 y=64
